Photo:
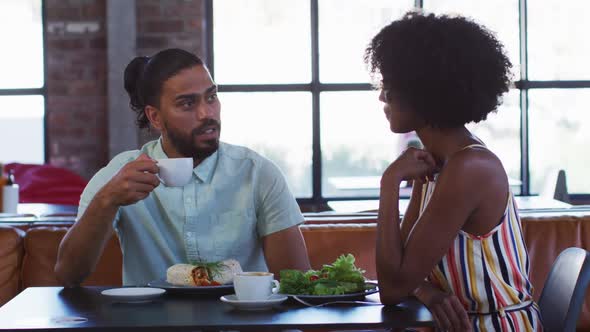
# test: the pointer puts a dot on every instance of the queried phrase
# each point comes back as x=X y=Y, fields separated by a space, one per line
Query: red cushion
x=47 y=184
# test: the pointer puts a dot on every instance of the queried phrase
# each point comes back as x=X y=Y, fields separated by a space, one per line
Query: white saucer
x=133 y=294
x=273 y=300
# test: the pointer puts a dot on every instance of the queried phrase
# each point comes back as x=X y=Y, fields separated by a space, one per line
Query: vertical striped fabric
x=488 y=273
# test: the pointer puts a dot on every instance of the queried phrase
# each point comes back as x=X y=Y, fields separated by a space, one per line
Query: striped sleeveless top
x=489 y=273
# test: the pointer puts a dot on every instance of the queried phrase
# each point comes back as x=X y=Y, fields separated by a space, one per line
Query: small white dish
x=272 y=301
x=133 y=294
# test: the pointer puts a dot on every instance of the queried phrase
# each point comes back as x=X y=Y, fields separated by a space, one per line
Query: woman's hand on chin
x=412 y=165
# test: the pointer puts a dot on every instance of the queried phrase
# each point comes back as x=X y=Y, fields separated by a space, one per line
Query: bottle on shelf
x=8 y=192
x=3 y=182
x=10 y=178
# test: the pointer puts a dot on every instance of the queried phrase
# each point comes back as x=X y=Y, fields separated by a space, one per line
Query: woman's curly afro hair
x=449 y=70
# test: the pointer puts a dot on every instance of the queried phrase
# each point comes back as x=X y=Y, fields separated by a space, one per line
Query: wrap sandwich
x=203 y=274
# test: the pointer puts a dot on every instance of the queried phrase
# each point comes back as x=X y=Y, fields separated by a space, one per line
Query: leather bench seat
x=11 y=256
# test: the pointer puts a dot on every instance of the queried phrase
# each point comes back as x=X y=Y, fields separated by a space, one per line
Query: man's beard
x=187 y=147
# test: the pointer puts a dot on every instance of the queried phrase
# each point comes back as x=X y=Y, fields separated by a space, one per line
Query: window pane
x=262 y=41
x=558 y=47
x=499 y=16
x=277 y=125
x=345 y=29
x=21 y=129
x=21 y=59
x=559 y=137
x=501 y=133
x=357 y=144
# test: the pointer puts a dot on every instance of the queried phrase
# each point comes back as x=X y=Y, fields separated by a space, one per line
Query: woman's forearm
x=389 y=248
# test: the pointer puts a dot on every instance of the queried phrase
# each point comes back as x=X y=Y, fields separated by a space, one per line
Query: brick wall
x=77 y=70
x=170 y=23
x=76 y=84
x=167 y=24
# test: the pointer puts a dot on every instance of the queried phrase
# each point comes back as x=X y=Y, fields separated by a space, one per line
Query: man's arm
x=285 y=250
x=82 y=246
x=279 y=217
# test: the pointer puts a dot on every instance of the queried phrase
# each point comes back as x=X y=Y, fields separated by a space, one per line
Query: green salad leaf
x=343 y=269
x=294 y=282
x=340 y=277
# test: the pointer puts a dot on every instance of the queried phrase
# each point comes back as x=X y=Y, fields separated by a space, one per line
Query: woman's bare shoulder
x=477 y=164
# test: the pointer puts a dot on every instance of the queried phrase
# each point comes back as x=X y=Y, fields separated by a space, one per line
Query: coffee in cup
x=175 y=172
x=255 y=286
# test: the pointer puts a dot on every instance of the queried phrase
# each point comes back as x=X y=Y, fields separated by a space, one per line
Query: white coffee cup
x=255 y=286
x=175 y=172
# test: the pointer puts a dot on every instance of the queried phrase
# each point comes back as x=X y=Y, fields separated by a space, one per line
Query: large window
x=294 y=87
x=22 y=83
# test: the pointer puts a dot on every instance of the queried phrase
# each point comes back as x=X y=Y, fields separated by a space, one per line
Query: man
x=237 y=204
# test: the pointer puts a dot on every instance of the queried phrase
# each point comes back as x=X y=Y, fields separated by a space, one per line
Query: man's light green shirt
x=235 y=197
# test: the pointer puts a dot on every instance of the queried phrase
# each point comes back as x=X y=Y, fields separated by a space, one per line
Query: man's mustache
x=206 y=125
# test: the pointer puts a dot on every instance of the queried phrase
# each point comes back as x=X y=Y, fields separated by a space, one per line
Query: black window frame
x=315 y=87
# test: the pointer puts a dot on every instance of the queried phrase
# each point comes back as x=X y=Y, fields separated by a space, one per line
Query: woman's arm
x=413 y=211
x=401 y=269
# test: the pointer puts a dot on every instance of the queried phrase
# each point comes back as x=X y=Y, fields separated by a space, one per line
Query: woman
x=459 y=248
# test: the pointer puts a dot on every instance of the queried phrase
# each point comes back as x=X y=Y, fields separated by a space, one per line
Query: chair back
x=555 y=186
x=563 y=294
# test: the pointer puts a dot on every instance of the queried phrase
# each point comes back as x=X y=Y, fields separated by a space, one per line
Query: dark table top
x=54 y=308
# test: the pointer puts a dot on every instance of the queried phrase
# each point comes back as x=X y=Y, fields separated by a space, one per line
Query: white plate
x=273 y=300
x=196 y=290
x=133 y=294
x=370 y=288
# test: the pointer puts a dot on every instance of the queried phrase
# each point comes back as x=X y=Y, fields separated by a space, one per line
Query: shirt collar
x=158 y=152
x=203 y=171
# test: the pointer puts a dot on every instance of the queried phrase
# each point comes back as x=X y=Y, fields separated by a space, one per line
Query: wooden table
x=54 y=308
x=523 y=203
x=40 y=212
x=539 y=203
x=45 y=210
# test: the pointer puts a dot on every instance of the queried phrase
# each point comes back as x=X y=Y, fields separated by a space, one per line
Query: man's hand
x=446 y=309
x=134 y=182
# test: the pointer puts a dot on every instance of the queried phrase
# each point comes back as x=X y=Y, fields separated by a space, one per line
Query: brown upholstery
x=545 y=239
x=41 y=245
x=11 y=253
x=326 y=242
